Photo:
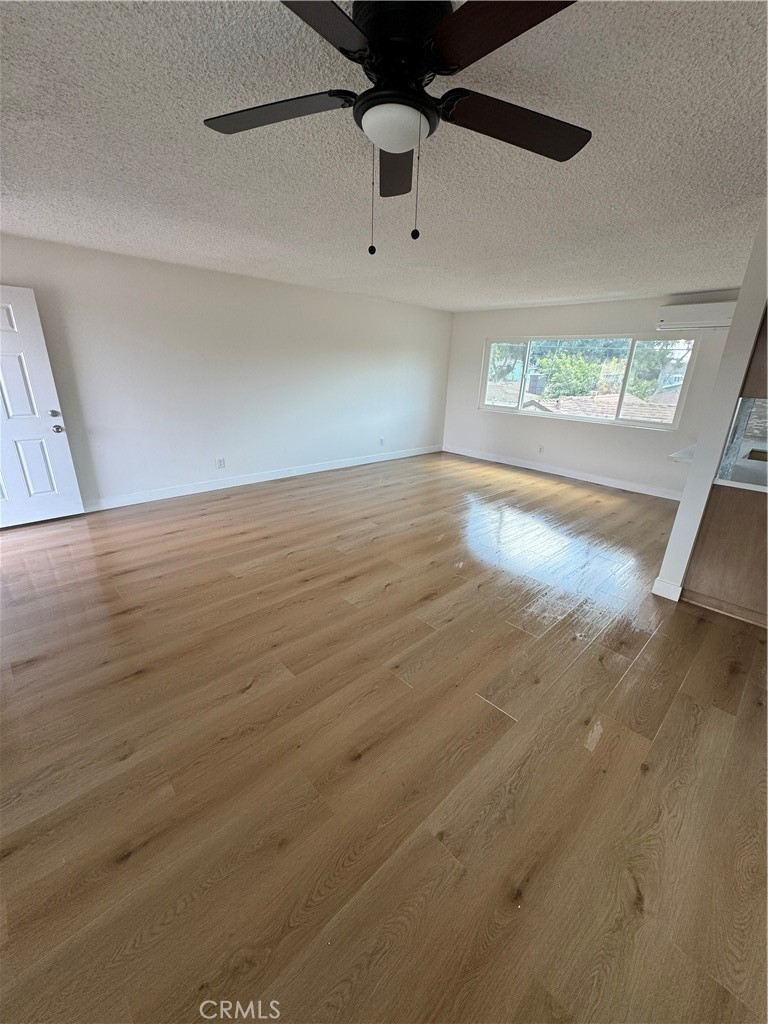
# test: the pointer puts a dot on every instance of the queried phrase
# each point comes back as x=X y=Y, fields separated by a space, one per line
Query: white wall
x=161 y=369
x=624 y=456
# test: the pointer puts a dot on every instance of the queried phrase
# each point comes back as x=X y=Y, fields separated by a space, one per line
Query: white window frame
x=617 y=421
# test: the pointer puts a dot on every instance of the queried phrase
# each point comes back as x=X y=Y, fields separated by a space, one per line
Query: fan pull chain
x=372 y=247
x=415 y=232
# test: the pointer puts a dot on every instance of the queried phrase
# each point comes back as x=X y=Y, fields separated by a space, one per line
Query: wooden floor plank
x=165 y=921
x=519 y=687
x=632 y=862
x=408 y=742
x=721 y=666
x=722 y=920
x=644 y=696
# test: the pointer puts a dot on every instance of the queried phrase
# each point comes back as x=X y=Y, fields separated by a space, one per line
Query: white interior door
x=37 y=477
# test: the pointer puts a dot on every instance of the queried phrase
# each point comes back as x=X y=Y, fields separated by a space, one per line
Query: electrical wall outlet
x=221 y=463
x=381 y=442
x=541 y=449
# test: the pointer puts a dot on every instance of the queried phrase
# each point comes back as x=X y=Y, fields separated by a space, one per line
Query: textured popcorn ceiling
x=103 y=146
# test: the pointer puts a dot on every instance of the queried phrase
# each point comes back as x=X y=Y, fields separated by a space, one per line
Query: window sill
x=633 y=424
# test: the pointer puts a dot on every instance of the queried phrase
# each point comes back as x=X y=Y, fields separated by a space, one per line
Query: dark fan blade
x=479 y=27
x=518 y=126
x=395 y=173
x=283 y=110
x=329 y=21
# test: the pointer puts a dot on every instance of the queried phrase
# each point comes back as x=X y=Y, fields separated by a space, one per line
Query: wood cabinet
x=757 y=375
x=727 y=571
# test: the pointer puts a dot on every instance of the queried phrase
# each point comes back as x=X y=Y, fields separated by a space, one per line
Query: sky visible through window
x=637 y=380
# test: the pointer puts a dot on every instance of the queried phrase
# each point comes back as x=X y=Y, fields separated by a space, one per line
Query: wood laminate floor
x=410 y=742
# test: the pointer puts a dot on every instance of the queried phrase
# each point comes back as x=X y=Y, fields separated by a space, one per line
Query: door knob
x=54 y=412
x=58 y=429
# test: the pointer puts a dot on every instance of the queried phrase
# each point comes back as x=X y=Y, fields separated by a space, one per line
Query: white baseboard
x=661 y=588
x=139 y=497
x=200 y=487
x=592 y=478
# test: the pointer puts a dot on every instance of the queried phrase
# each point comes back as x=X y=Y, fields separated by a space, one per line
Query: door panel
x=15 y=386
x=36 y=466
x=38 y=477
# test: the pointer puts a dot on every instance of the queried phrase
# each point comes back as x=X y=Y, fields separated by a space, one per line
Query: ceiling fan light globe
x=394 y=127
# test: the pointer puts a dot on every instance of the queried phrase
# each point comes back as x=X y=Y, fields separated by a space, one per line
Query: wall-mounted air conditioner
x=695 y=317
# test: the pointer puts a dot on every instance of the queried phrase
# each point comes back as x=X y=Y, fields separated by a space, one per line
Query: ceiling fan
x=401 y=46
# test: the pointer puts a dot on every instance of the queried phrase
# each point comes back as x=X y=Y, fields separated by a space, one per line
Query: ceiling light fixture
x=395 y=127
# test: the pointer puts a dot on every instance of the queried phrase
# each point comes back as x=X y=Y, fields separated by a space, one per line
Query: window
x=630 y=380
x=505 y=373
